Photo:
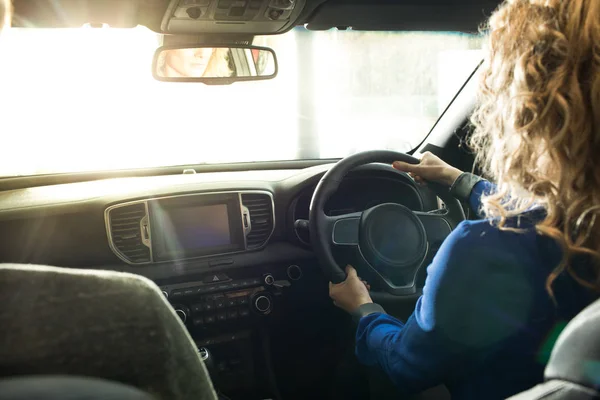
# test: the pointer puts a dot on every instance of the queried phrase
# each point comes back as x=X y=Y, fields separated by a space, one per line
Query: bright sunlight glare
x=84 y=99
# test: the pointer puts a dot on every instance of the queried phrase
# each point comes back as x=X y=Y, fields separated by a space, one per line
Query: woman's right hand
x=431 y=168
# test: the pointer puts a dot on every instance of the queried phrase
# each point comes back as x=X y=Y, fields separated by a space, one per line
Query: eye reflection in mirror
x=214 y=65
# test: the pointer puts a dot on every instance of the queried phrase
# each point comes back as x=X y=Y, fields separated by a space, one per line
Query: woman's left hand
x=350 y=294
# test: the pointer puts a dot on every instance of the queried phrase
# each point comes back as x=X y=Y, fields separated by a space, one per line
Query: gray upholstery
x=573 y=372
x=102 y=324
x=558 y=390
x=57 y=387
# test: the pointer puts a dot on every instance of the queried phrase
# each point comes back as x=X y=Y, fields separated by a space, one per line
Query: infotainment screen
x=196 y=225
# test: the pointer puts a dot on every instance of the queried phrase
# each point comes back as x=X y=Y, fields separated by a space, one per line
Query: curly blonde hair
x=537 y=125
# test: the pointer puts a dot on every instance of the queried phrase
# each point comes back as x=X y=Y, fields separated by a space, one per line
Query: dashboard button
x=214 y=278
x=208 y=306
x=244 y=312
x=176 y=293
x=232 y=314
x=225 y=286
x=211 y=289
x=245 y=283
x=236 y=285
x=262 y=304
x=197 y=308
x=202 y=290
x=242 y=301
x=268 y=279
x=231 y=302
x=221 y=317
x=209 y=319
x=220 y=303
x=198 y=321
x=189 y=291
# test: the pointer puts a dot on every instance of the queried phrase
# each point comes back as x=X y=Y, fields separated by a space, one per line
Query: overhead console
x=230 y=16
x=190 y=226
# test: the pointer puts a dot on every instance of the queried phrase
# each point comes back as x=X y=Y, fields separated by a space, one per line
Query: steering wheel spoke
x=437 y=228
x=344 y=229
x=398 y=283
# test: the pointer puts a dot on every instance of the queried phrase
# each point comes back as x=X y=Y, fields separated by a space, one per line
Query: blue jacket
x=485 y=324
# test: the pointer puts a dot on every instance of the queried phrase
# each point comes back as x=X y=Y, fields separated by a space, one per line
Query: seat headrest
x=576 y=354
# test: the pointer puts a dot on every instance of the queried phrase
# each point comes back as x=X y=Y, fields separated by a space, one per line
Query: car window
x=84 y=99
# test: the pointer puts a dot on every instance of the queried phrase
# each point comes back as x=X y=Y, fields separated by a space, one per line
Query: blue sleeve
x=468 y=305
x=481 y=188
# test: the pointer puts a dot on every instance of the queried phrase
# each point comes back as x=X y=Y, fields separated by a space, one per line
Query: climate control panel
x=219 y=303
x=219 y=309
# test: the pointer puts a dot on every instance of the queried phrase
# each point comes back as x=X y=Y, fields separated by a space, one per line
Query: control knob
x=262 y=303
x=268 y=279
x=182 y=312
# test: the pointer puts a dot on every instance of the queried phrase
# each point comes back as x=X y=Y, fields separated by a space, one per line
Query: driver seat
x=573 y=372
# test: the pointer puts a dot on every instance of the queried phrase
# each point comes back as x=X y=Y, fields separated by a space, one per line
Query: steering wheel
x=390 y=240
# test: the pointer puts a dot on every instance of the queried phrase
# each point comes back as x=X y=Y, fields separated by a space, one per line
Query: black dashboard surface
x=63 y=225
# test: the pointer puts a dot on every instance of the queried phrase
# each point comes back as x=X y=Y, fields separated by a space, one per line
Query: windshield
x=84 y=99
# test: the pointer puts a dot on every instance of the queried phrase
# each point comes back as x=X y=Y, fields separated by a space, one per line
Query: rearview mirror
x=217 y=65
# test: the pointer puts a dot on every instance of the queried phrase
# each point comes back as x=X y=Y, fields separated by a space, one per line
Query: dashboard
x=224 y=248
x=176 y=226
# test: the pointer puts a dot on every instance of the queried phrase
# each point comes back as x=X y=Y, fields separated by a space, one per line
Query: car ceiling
x=421 y=15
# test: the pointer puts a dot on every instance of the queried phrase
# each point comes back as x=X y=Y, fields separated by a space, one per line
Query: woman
x=500 y=288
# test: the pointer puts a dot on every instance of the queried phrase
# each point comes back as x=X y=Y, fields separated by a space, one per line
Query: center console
x=227 y=313
x=227 y=316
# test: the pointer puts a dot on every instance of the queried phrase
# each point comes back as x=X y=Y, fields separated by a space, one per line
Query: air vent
x=260 y=207
x=126 y=234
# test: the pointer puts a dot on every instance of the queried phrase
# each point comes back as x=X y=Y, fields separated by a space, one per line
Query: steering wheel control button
x=345 y=231
x=262 y=304
x=294 y=272
x=392 y=237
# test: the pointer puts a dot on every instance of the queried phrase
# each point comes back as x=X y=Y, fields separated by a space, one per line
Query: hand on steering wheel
x=431 y=168
x=351 y=293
